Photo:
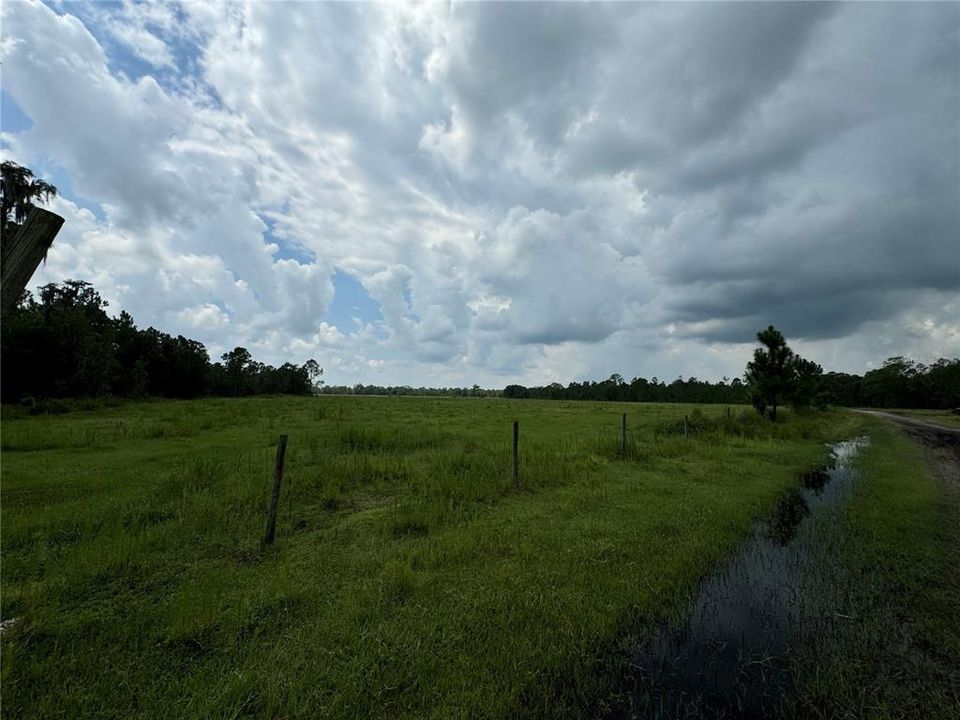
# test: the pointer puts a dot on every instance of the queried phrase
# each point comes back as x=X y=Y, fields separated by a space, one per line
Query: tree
x=770 y=374
x=237 y=364
x=890 y=385
x=515 y=391
x=314 y=371
x=19 y=189
x=806 y=383
x=940 y=387
x=61 y=346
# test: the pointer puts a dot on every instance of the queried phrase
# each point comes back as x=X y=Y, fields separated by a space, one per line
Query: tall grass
x=888 y=578
x=411 y=576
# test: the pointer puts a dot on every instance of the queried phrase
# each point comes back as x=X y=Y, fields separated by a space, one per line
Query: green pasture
x=410 y=577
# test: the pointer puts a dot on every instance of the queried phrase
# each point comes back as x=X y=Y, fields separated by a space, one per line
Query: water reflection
x=791 y=511
x=728 y=658
x=816 y=479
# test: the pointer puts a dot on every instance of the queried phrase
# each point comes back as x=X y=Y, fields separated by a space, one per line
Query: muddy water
x=729 y=657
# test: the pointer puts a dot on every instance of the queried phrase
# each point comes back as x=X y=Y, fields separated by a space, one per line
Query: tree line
x=360 y=389
x=62 y=344
x=617 y=389
x=900 y=383
x=777 y=376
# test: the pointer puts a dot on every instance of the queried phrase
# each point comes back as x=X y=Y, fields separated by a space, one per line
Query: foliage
x=899 y=383
x=406 y=390
x=19 y=189
x=776 y=375
x=314 y=372
x=806 y=390
x=615 y=388
x=64 y=345
x=771 y=375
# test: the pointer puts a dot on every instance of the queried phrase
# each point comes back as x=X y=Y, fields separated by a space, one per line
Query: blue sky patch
x=351 y=302
x=122 y=60
x=12 y=117
x=287 y=250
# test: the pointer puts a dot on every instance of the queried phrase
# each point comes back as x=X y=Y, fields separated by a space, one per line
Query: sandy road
x=909 y=422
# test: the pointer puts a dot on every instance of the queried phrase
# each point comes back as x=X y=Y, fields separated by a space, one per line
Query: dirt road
x=909 y=421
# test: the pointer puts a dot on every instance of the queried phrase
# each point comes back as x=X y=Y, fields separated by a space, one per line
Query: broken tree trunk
x=22 y=253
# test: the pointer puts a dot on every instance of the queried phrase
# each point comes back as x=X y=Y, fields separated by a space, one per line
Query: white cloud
x=528 y=192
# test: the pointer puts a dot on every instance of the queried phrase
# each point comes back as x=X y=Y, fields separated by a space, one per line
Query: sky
x=450 y=194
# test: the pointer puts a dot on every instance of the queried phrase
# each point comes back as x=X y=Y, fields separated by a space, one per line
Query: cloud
x=529 y=192
x=558 y=278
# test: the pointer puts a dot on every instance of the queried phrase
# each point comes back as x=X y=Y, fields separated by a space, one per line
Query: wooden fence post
x=22 y=252
x=623 y=435
x=275 y=496
x=516 y=453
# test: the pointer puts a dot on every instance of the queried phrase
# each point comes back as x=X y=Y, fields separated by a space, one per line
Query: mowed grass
x=409 y=578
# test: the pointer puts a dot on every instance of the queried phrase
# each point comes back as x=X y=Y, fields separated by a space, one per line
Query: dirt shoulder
x=941 y=445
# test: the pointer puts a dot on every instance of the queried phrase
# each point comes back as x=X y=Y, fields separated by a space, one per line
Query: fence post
x=516 y=453
x=685 y=426
x=275 y=496
x=623 y=435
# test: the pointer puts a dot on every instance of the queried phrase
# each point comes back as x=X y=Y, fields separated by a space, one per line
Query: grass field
x=410 y=577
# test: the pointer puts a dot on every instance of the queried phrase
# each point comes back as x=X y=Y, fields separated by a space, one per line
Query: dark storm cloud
x=535 y=59
x=838 y=191
x=734 y=312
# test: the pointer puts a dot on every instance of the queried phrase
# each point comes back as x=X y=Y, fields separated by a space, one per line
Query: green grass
x=891 y=570
x=410 y=578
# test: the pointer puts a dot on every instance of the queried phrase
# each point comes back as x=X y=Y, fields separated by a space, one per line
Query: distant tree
x=237 y=365
x=187 y=362
x=63 y=344
x=314 y=371
x=131 y=378
x=515 y=391
x=892 y=385
x=940 y=386
x=770 y=374
x=800 y=382
x=842 y=389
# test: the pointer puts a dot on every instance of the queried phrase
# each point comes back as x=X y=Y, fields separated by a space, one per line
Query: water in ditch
x=728 y=658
